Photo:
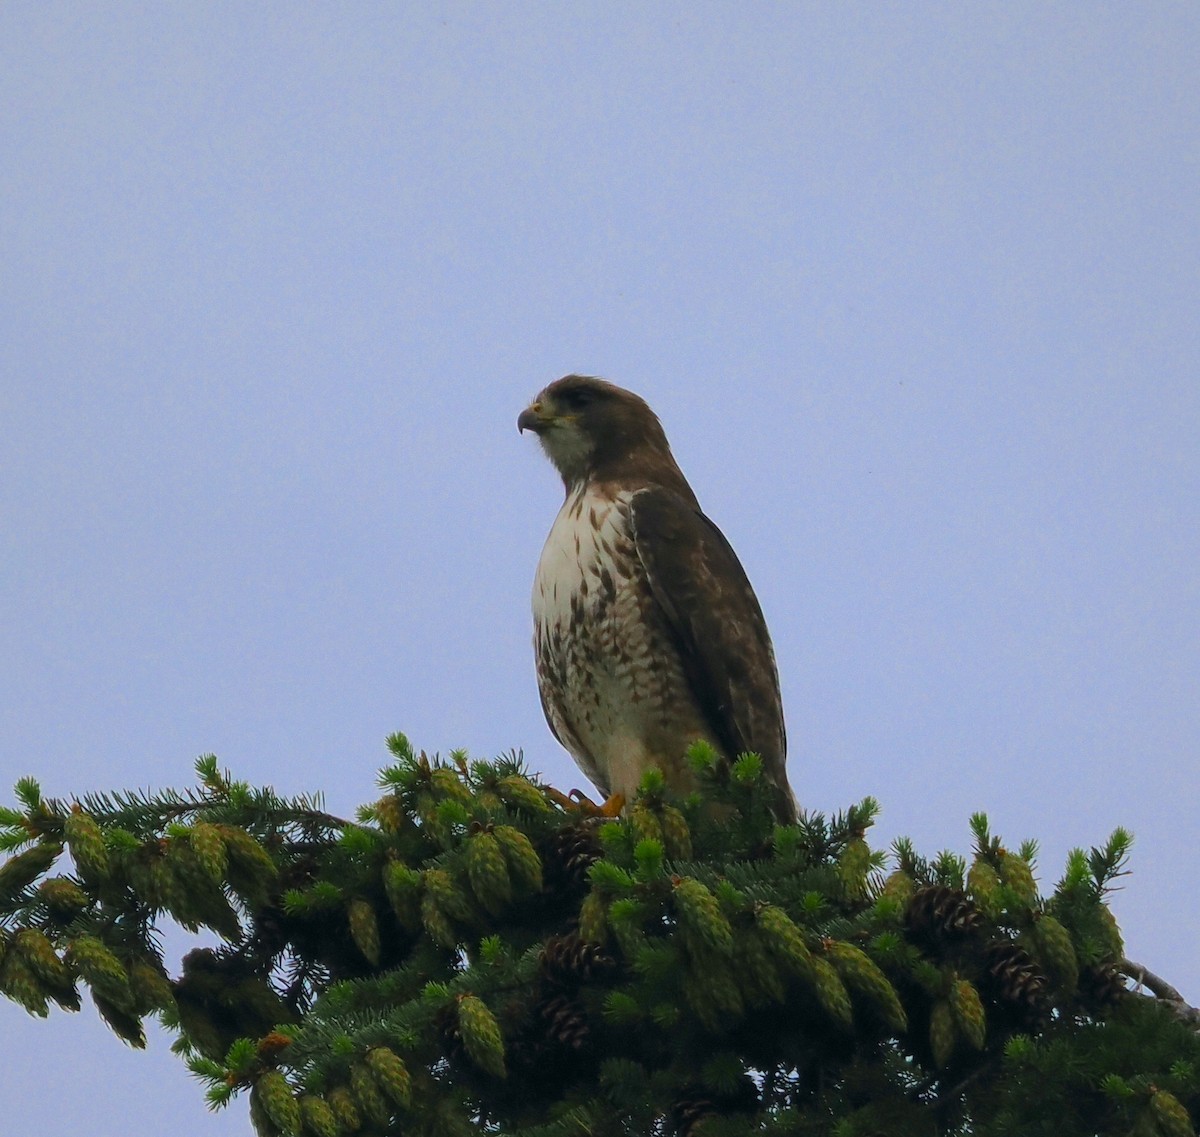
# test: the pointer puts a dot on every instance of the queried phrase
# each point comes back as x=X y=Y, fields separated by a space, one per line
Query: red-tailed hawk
x=647 y=634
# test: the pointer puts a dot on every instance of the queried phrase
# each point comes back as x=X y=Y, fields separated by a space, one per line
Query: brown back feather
x=719 y=630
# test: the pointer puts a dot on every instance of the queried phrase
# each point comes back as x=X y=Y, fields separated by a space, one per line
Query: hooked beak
x=534 y=418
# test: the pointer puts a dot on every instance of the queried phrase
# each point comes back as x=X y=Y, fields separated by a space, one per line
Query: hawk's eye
x=576 y=398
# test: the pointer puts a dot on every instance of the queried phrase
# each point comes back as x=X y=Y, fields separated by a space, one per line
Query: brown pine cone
x=1102 y=985
x=568 y=853
x=1015 y=979
x=690 y=1114
x=568 y=961
x=937 y=912
x=564 y=1023
x=698 y=1104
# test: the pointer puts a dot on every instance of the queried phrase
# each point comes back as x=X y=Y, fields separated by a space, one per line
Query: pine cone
x=319 y=1118
x=1102 y=985
x=569 y=960
x=1170 y=1115
x=278 y=1101
x=487 y=870
x=345 y=1109
x=481 y=1035
x=564 y=1022
x=1015 y=978
x=391 y=1074
x=690 y=1114
x=698 y=1104
x=968 y=1012
x=568 y=853
x=86 y=842
x=937 y=912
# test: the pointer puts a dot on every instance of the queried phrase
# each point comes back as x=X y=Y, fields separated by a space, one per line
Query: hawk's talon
x=578 y=802
x=611 y=808
x=562 y=800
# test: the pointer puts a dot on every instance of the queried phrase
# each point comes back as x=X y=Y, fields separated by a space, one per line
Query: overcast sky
x=914 y=289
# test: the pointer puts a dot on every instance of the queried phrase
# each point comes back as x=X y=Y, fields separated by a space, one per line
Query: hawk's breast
x=608 y=670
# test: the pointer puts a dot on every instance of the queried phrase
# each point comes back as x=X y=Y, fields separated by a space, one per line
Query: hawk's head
x=590 y=428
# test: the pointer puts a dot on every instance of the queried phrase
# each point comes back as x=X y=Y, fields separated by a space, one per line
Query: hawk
x=647 y=634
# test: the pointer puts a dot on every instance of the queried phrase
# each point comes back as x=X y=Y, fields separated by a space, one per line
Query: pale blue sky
x=913 y=288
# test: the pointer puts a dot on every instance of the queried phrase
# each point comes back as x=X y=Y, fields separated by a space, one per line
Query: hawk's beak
x=534 y=418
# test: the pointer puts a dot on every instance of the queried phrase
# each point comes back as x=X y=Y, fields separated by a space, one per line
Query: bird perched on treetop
x=647 y=634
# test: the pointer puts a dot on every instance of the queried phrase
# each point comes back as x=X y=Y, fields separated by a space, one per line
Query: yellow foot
x=611 y=808
x=578 y=802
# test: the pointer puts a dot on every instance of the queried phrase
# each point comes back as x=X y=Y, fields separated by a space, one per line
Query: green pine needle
x=612 y=991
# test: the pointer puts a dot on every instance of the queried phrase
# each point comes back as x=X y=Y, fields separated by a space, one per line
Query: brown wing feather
x=718 y=626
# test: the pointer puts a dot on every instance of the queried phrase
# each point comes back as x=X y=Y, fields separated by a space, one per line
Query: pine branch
x=472 y=955
x=1161 y=990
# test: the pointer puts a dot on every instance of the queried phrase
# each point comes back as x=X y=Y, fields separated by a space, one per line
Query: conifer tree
x=476 y=953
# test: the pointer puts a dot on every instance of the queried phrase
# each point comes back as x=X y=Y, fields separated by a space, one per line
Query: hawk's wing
x=718 y=627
